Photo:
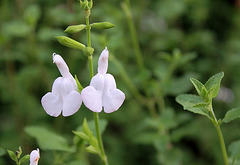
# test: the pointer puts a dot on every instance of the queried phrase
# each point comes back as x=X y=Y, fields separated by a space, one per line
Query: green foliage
x=48 y=140
x=2 y=151
x=193 y=103
x=231 y=115
x=12 y=155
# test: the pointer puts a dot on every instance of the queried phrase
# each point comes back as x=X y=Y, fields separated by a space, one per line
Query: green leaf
x=25 y=158
x=234 y=149
x=200 y=88
x=48 y=140
x=189 y=102
x=213 y=84
x=86 y=129
x=102 y=25
x=12 y=155
x=81 y=135
x=2 y=151
x=91 y=125
x=232 y=115
x=75 y=28
x=92 y=150
x=66 y=41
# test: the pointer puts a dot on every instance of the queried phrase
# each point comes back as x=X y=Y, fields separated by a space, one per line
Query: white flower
x=34 y=157
x=102 y=91
x=64 y=96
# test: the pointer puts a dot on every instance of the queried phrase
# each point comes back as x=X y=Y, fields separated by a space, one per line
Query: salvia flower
x=102 y=91
x=64 y=96
x=34 y=157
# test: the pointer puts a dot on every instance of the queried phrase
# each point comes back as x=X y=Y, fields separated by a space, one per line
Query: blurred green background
x=178 y=39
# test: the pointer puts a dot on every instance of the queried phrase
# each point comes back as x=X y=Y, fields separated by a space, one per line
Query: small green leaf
x=189 y=102
x=198 y=85
x=102 y=25
x=81 y=135
x=92 y=150
x=232 y=115
x=75 y=28
x=25 y=158
x=80 y=88
x=86 y=129
x=66 y=41
x=213 y=84
x=12 y=155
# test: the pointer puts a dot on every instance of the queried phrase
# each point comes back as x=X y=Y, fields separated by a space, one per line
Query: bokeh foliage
x=179 y=39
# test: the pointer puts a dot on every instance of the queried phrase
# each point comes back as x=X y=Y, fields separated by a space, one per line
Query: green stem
x=220 y=136
x=133 y=33
x=96 y=116
x=103 y=155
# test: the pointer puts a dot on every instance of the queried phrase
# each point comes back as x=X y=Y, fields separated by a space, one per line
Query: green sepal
x=92 y=150
x=80 y=88
x=25 y=158
x=75 y=28
x=88 y=51
x=66 y=41
x=12 y=155
x=102 y=25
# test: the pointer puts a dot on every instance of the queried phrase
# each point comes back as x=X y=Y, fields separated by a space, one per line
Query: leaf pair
x=17 y=156
x=208 y=91
x=88 y=136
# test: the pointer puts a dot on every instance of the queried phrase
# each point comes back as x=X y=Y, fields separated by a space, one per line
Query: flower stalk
x=96 y=116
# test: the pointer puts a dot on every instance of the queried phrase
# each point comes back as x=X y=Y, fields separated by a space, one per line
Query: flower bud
x=85 y=5
x=102 y=25
x=66 y=41
x=75 y=28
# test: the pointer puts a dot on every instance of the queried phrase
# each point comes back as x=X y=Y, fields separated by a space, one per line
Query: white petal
x=61 y=64
x=92 y=98
x=52 y=104
x=68 y=86
x=112 y=97
x=92 y=95
x=103 y=62
x=71 y=103
x=57 y=85
x=34 y=157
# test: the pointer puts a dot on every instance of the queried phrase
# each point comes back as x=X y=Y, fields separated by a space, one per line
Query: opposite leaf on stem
x=102 y=91
x=64 y=96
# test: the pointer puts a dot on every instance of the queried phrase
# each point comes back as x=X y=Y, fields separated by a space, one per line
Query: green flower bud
x=88 y=51
x=102 y=25
x=85 y=5
x=19 y=152
x=66 y=41
x=75 y=28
